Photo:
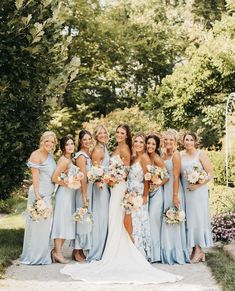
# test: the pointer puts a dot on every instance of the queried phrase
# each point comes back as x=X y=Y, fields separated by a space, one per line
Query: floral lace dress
x=140 y=218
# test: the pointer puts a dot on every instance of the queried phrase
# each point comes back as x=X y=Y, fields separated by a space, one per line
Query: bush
x=136 y=119
x=222 y=199
x=218 y=161
x=223 y=227
x=31 y=57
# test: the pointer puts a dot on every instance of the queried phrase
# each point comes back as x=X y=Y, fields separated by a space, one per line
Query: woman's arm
x=206 y=164
x=158 y=161
x=176 y=160
x=61 y=167
x=35 y=158
x=97 y=155
x=145 y=161
x=81 y=163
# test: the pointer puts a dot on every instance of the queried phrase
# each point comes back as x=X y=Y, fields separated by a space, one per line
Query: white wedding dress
x=122 y=262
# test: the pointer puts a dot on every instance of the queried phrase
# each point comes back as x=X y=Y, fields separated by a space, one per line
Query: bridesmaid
x=155 y=199
x=42 y=166
x=135 y=182
x=173 y=237
x=100 y=197
x=63 y=225
x=196 y=198
x=84 y=194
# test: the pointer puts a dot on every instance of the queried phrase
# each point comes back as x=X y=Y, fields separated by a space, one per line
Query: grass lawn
x=223 y=269
x=11 y=235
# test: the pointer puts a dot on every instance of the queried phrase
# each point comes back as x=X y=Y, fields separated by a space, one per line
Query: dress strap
x=81 y=153
x=33 y=165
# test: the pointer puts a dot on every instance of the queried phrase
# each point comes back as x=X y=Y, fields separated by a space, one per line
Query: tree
x=33 y=50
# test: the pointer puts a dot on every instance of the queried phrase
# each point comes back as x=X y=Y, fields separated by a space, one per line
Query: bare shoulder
x=125 y=150
x=35 y=157
x=63 y=161
x=98 y=150
x=145 y=159
x=176 y=155
x=157 y=158
x=202 y=155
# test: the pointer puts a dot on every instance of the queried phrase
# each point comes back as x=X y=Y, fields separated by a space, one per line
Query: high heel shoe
x=77 y=257
x=201 y=257
x=58 y=258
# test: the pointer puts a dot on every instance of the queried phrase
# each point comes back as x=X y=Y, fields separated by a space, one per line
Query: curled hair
x=81 y=134
x=97 y=131
x=64 y=140
x=157 y=140
x=47 y=134
x=128 y=134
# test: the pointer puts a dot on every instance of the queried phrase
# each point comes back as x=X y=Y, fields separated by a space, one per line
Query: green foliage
x=136 y=119
x=11 y=241
x=223 y=269
x=194 y=96
x=218 y=162
x=33 y=51
x=67 y=121
x=14 y=204
x=222 y=199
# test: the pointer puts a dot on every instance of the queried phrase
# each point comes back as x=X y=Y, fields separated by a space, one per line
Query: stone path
x=197 y=277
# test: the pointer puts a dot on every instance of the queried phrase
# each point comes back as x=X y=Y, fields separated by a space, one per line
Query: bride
x=122 y=262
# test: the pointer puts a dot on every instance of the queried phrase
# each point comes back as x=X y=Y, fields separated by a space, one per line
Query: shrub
x=32 y=56
x=218 y=162
x=223 y=227
x=137 y=120
x=222 y=199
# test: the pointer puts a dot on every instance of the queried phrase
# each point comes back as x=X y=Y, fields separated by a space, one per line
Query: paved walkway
x=197 y=277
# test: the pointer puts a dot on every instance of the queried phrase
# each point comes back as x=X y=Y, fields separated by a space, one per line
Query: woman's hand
x=176 y=201
x=86 y=203
x=145 y=199
x=38 y=197
x=193 y=187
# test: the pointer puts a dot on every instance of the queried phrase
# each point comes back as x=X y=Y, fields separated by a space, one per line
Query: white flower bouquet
x=96 y=175
x=155 y=175
x=84 y=220
x=196 y=175
x=72 y=178
x=39 y=210
x=131 y=201
x=173 y=215
x=117 y=171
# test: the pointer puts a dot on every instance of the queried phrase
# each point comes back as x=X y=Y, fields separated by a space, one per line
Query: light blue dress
x=198 y=227
x=155 y=216
x=36 y=249
x=83 y=241
x=173 y=237
x=140 y=218
x=63 y=224
x=100 y=211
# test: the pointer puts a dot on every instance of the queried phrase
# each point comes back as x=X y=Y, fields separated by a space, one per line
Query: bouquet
x=131 y=201
x=39 y=210
x=117 y=171
x=72 y=178
x=155 y=175
x=174 y=215
x=196 y=175
x=84 y=220
x=96 y=175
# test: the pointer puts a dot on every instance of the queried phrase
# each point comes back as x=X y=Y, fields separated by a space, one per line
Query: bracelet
x=175 y=194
